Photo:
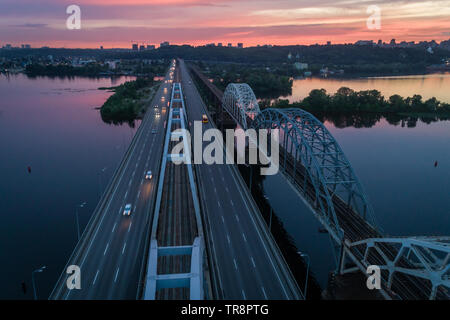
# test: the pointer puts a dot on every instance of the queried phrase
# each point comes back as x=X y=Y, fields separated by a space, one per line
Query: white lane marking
x=264 y=292
x=139 y=193
x=106 y=249
x=262 y=241
x=223 y=220
x=237 y=217
x=124 y=246
x=117 y=273
x=120 y=210
x=95 y=279
x=245 y=239
x=115 y=224
x=215 y=190
x=129 y=227
x=129 y=183
x=232 y=203
x=243 y=294
x=228 y=238
x=126 y=193
x=226 y=189
x=235 y=264
x=218 y=202
x=253 y=262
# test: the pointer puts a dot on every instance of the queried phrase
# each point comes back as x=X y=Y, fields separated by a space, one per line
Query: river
x=51 y=125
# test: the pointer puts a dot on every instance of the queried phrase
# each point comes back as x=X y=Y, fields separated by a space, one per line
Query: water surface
x=51 y=125
x=430 y=85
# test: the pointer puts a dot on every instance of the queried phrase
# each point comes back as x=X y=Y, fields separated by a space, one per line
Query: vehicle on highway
x=154 y=131
x=163 y=99
x=127 y=210
x=204 y=118
x=148 y=175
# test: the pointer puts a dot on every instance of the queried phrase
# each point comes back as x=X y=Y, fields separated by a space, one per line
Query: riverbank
x=129 y=101
x=349 y=102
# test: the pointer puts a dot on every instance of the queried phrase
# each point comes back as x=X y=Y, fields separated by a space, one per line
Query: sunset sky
x=116 y=23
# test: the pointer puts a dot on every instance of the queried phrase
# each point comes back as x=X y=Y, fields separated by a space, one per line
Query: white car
x=127 y=210
x=148 y=175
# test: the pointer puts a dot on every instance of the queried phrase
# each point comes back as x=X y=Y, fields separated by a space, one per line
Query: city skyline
x=118 y=23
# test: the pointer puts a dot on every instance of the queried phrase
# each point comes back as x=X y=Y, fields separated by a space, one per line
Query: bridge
x=195 y=232
x=315 y=166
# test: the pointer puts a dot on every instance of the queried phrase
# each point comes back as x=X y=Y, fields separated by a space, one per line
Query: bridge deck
x=177 y=221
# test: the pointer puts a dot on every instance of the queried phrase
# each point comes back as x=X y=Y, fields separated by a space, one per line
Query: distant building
x=240 y=45
x=164 y=44
x=26 y=46
x=364 y=43
x=101 y=47
x=112 y=64
x=392 y=43
x=210 y=45
x=230 y=45
x=7 y=46
x=219 y=44
x=300 y=66
x=151 y=47
x=328 y=43
x=380 y=42
x=141 y=47
x=135 y=47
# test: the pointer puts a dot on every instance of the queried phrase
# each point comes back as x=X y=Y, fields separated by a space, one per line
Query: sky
x=118 y=23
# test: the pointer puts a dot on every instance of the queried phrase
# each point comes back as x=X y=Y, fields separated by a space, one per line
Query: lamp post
x=100 y=181
x=76 y=215
x=304 y=255
x=32 y=280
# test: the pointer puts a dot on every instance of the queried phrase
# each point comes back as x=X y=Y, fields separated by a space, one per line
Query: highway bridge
x=315 y=166
x=195 y=232
x=150 y=254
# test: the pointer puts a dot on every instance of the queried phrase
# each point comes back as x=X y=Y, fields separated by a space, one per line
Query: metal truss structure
x=313 y=161
x=315 y=165
x=426 y=259
x=241 y=103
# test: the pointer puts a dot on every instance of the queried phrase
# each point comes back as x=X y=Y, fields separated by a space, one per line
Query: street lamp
x=100 y=180
x=32 y=279
x=304 y=255
x=76 y=215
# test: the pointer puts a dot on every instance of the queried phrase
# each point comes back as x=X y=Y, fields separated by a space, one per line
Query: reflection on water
x=428 y=86
x=368 y=120
x=53 y=126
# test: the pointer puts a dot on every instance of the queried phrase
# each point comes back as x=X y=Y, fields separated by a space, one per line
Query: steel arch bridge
x=317 y=168
x=314 y=162
x=241 y=103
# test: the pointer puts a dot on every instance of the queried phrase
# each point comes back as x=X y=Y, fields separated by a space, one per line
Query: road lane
x=111 y=251
x=248 y=263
